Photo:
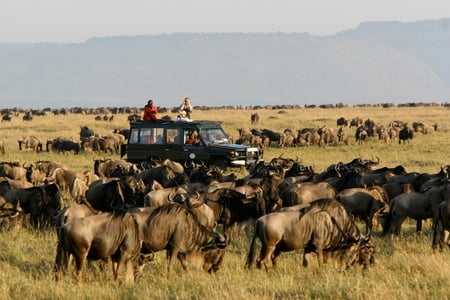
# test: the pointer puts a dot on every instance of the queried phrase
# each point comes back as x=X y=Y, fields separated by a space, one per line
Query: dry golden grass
x=405 y=268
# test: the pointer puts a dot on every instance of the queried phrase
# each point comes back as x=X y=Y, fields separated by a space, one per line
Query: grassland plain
x=405 y=268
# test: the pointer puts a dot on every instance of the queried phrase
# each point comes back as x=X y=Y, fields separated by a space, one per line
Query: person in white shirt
x=187 y=107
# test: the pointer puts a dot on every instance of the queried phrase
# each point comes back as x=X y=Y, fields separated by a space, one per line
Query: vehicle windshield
x=214 y=136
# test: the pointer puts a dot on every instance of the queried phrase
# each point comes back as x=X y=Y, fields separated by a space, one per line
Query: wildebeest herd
x=326 y=135
x=125 y=213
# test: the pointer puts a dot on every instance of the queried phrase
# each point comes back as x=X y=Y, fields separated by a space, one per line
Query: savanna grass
x=405 y=268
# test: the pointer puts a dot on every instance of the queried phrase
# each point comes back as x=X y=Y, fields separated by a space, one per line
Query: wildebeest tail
x=387 y=221
x=251 y=252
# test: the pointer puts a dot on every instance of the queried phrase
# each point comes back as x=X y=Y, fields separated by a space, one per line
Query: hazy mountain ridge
x=375 y=63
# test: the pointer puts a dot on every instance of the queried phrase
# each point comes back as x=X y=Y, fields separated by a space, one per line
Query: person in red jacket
x=150 y=112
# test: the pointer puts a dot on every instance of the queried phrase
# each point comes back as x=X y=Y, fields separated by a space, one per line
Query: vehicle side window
x=147 y=136
x=159 y=133
x=134 y=136
x=173 y=136
x=191 y=137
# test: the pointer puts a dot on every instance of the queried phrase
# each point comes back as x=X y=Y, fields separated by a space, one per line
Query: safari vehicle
x=200 y=141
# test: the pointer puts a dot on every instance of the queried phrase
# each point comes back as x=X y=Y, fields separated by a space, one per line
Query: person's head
x=187 y=100
x=150 y=102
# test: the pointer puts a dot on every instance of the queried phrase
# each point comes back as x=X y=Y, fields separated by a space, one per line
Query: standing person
x=150 y=112
x=187 y=107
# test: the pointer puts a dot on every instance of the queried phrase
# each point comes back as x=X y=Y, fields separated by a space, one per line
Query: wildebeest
x=308 y=136
x=342 y=135
x=441 y=221
x=341 y=122
x=105 y=168
x=70 y=213
x=254 y=118
x=11 y=215
x=366 y=203
x=232 y=206
x=100 y=237
x=306 y=192
x=176 y=229
x=327 y=136
x=291 y=230
x=361 y=135
x=6 y=118
x=115 y=193
x=63 y=178
x=418 y=206
x=13 y=170
x=30 y=143
x=59 y=145
x=42 y=203
x=405 y=134
x=86 y=133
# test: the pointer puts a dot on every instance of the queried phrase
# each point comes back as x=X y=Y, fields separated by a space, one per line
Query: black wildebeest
x=176 y=229
x=100 y=237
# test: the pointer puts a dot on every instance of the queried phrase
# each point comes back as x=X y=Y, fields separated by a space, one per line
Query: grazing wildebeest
x=176 y=229
x=114 y=235
x=59 y=145
x=366 y=203
x=113 y=193
x=42 y=203
x=441 y=222
x=291 y=230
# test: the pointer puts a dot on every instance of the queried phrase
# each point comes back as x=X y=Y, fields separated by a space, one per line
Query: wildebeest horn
x=146 y=257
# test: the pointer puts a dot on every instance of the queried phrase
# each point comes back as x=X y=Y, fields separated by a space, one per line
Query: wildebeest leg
x=397 y=224
x=61 y=262
x=79 y=262
x=319 y=256
x=183 y=261
x=419 y=226
x=266 y=252
x=227 y=233
x=275 y=255
x=172 y=255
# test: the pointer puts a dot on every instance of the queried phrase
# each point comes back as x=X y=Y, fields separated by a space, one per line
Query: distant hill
x=378 y=62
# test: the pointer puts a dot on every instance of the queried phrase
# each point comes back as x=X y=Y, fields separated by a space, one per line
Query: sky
x=75 y=21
